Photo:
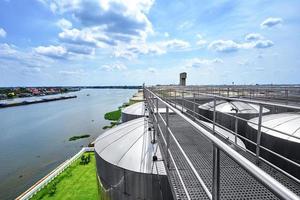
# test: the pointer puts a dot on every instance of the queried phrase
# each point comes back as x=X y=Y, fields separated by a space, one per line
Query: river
x=34 y=138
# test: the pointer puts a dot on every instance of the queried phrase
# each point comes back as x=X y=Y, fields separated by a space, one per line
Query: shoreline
x=37 y=101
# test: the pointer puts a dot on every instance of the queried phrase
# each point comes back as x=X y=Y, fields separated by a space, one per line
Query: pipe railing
x=269 y=182
x=259 y=103
x=166 y=94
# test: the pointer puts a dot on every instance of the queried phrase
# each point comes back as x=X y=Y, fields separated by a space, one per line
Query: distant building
x=182 y=79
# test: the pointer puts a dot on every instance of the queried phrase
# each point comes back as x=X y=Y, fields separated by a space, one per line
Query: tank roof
x=225 y=134
x=232 y=107
x=135 y=109
x=285 y=122
x=129 y=146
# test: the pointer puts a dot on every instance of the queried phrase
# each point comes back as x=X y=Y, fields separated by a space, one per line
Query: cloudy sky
x=122 y=42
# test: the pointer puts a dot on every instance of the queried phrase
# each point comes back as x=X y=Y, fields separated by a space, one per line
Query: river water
x=34 y=138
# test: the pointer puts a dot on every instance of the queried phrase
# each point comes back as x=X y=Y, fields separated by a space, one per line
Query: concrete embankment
x=4 y=105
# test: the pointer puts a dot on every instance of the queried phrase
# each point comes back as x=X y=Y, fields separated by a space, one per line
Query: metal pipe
x=214 y=116
x=258 y=134
x=194 y=106
x=167 y=135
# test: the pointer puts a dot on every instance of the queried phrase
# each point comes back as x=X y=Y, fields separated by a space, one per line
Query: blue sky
x=121 y=42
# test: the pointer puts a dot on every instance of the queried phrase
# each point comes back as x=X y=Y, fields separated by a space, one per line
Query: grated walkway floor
x=235 y=182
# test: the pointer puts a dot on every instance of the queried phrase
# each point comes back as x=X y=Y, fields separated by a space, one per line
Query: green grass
x=113 y=115
x=77 y=137
x=76 y=182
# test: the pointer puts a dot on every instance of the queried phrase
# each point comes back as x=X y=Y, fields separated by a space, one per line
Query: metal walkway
x=191 y=158
x=235 y=183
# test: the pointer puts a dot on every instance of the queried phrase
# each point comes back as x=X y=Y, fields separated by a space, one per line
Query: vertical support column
x=194 y=106
x=258 y=134
x=182 y=105
x=175 y=98
x=216 y=174
x=236 y=129
x=214 y=115
x=167 y=137
x=287 y=95
x=228 y=92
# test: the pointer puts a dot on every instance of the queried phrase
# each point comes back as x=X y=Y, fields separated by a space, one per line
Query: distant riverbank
x=21 y=103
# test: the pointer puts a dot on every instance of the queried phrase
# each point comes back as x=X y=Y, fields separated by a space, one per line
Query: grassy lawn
x=76 y=182
x=113 y=115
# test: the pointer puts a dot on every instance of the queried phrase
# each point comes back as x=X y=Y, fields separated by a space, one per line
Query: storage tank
x=226 y=135
x=133 y=111
x=282 y=144
x=241 y=109
x=129 y=166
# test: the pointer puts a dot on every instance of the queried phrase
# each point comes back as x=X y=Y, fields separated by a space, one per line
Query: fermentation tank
x=280 y=143
x=241 y=109
x=133 y=111
x=129 y=165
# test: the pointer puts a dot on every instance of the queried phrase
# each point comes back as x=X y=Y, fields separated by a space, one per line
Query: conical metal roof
x=233 y=107
x=129 y=146
x=285 y=122
x=225 y=134
x=137 y=109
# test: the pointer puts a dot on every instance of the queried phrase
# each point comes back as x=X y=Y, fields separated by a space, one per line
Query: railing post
x=182 y=105
x=236 y=129
x=167 y=136
x=194 y=106
x=216 y=174
x=175 y=98
x=258 y=134
x=214 y=115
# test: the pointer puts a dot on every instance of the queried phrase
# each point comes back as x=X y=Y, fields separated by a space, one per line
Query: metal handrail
x=258 y=147
x=269 y=182
x=260 y=125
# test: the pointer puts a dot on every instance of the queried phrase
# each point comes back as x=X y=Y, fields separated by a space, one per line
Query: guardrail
x=49 y=177
x=282 y=93
x=269 y=182
x=171 y=94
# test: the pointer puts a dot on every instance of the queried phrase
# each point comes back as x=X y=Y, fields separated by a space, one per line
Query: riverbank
x=27 y=102
x=35 y=138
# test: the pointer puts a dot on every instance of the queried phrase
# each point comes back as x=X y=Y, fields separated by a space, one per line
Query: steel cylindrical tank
x=280 y=143
x=133 y=111
x=236 y=108
x=126 y=166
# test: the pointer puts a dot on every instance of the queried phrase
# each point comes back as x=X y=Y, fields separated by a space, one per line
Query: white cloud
x=270 y=22
x=185 y=25
x=137 y=48
x=200 y=62
x=224 y=46
x=201 y=43
x=113 y=67
x=227 y=46
x=253 y=37
x=166 y=34
x=84 y=37
x=6 y=49
x=64 y=24
x=120 y=20
x=52 y=51
x=261 y=44
x=2 y=33
x=72 y=72
x=174 y=44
